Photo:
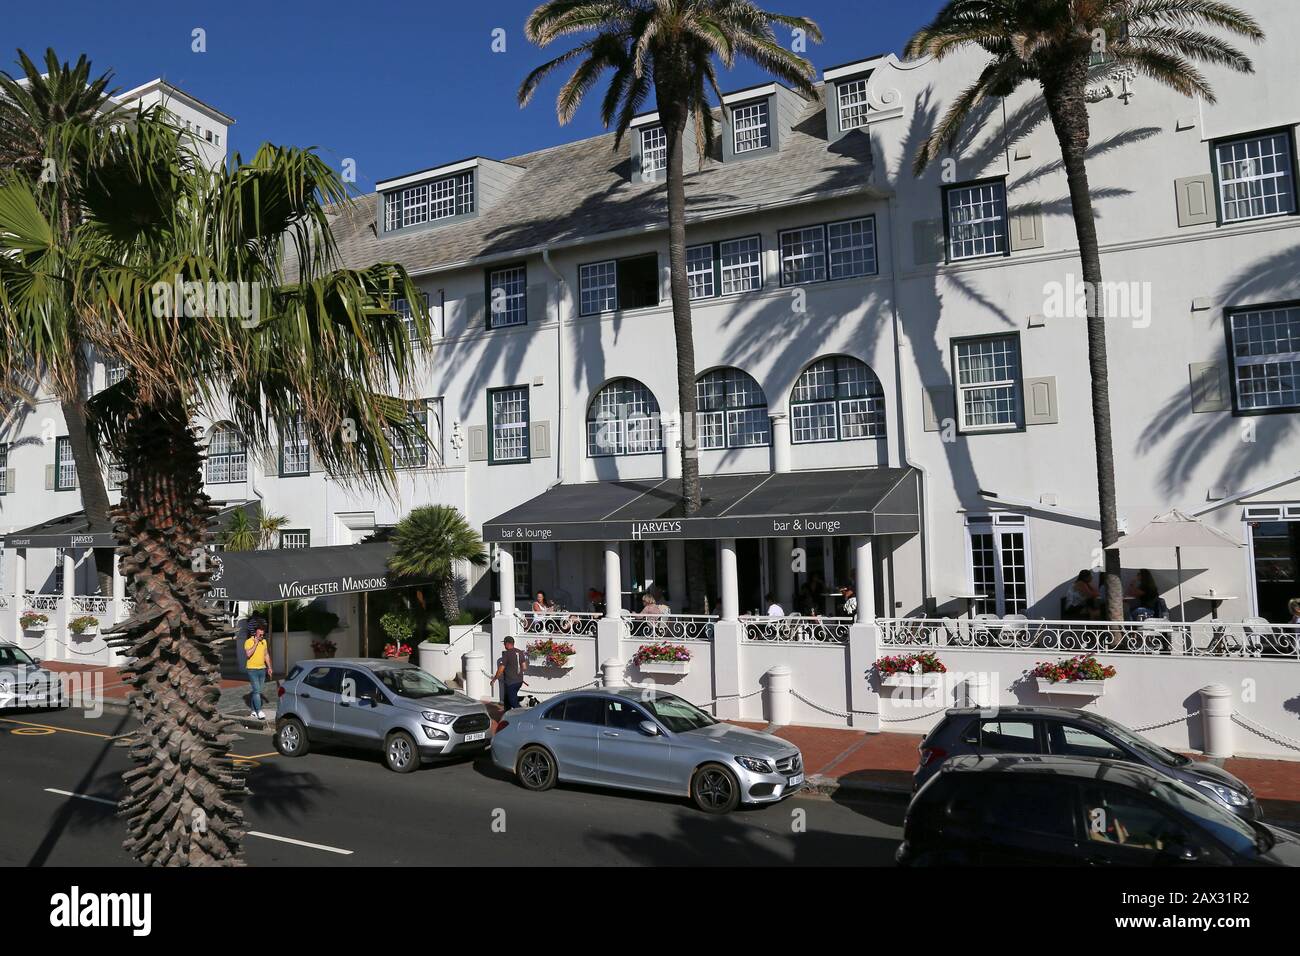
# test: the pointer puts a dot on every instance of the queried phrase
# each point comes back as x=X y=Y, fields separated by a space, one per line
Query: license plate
x=796 y=780
x=478 y=736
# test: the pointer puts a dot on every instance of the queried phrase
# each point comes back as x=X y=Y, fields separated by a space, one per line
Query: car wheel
x=714 y=789
x=400 y=752
x=535 y=769
x=291 y=737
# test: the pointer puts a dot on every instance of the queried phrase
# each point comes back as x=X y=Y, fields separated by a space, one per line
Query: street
x=60 y=773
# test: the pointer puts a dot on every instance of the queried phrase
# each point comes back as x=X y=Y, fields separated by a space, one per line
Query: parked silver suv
x=394 y=707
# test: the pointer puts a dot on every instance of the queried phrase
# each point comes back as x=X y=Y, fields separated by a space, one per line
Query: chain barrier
x=1167 y=723
x=1246 y=722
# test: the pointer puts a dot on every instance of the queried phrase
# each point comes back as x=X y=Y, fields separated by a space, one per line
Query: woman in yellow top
x=257 y=661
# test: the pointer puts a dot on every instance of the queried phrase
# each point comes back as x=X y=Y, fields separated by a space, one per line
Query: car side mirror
x=649 y=728
x=1179 y=851
x=36 y=661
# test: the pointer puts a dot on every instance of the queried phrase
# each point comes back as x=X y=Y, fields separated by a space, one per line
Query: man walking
x=511 y=666
x=257 y=661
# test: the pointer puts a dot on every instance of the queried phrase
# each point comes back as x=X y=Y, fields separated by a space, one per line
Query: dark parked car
x=1074 y=811
x=1072 y=733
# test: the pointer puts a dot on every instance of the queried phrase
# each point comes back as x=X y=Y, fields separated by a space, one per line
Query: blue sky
x=397 y=86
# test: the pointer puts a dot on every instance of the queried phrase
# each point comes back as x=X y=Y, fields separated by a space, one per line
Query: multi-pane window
x=4 y=466
x=988 y=382
x=295 y=538
x=508 y=423
x=618 y=284
x=58 y=570
x=623 y=419
x=412 y=451
x=429 y=202
x=598 y=287
x=803 y=255
x=853 y=104
x=654 y=151
x=998 y=565
x=116 y=476
x=65 y=466
x=977 y=220
x=114 y=371
x=699 y=272
x=295 y=450
x=731 y=410
x=523 y=570
x=1256 y=177
x=227 y=456
x=403 y=309
x=507 y=296
x=750 y=127
x=837 y=399
x=1266 y=357
x=740 y=265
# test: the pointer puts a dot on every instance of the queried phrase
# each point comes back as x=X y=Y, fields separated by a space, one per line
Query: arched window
x=227 y=456
x=623 y=419
x=837 y=399
x=731 y=410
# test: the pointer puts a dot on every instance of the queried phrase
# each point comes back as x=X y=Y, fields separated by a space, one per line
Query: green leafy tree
x=671 y=47
x=1051 y=44
x=427 y=544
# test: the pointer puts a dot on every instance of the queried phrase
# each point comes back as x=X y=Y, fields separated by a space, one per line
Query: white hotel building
x=892 y=348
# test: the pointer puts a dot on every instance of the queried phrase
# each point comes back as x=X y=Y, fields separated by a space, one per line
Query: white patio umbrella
x=1176 y=530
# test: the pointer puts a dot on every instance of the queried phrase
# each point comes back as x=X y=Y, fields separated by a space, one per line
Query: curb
x=832 y=786
x=116 y=705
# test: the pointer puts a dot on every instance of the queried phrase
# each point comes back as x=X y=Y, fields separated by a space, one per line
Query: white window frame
x=512 y=280
x=700 y=271
x=654 y=156
x=432 y=201
x=403 y=309
x=986 y=244
x=811 y=249
x=999 y=525
x=417 y=455
x=1273 y=366
x=1013 y=383
x=65 y=465
x=750 y=125
x=740 y=261
x=232 y=458
x=294 y=441
x=851 y=243
x=502 y=435
x=292 y=539
x=631 y=426
x=1238 y=173
x=844 y=408
x=851 y=97
x=725 y=426
x=598 y=287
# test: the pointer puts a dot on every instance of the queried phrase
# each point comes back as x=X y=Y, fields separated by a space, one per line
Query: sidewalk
x=836 y=760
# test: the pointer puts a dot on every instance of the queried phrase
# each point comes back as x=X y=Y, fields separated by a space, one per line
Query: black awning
x=787 y=505
x=301 y=573
x=74 y=531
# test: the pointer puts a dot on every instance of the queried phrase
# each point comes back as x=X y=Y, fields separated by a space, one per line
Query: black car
x=1072 y=733
x=1023 y=810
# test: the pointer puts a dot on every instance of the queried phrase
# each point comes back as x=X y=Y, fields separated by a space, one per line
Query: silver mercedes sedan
x=24 y=683
x=636 y=739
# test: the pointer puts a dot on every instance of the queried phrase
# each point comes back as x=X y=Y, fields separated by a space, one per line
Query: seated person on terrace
x=1083 y=599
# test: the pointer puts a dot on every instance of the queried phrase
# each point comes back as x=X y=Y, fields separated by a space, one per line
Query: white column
x=864 y=585
x=677 y=575
x=613 y=581
x=780 y=442
x=119 y=592
x=65 y=606
x=730 y=580
x=783 y=586
x=19 y=604
x=672 y=450
x=506 y=579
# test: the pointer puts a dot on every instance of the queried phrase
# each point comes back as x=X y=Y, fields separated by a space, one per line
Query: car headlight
x=756 y=764
x=433 y=733
x=1225 y=795
x=438 y=718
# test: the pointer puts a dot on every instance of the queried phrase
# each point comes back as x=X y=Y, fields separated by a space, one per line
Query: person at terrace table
x=649 y=605
x=1294 y=607
x=1083 y=600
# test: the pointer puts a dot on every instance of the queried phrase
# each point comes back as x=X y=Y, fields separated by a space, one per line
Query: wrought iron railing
x=1151 y=637
x=90 y=604
x=43 y=602
x=796 y=629
x=576 y=623
x=670 y=627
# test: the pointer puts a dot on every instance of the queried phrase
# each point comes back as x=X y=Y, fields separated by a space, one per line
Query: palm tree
x=242 y=533
x=428 y=542
x=1051 y=43
x=670 y=46
x=51 y=127
x=325 y=349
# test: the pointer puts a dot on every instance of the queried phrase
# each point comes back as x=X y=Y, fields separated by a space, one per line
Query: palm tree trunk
x=675 y=119
x=1069 y=112
x=90 y=482
x=184 y=796
x=450 y=600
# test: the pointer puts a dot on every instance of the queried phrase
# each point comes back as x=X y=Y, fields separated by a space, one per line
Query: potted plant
x=1082 y=676
x=550 y=653
x=323 y=647
x=662 y=658
x=85 y=626
x=33 y=621
x=397 y=651
x=910 y=670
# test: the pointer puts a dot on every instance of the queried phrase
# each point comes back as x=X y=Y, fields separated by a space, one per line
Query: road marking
x=312 y=846
x=66 y=730
x=256 y=833
x=33 y=731
x=273 y=753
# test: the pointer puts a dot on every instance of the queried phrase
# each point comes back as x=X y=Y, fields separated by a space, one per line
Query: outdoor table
x=969 y=597
x=1215 y=600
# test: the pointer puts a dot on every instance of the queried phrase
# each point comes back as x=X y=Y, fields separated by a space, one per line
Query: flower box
x=33 y=622
x=1074 y=688
x=84 y=627
x=911 y=679
x=665 y=667
x=550 y=653
x=539 y=660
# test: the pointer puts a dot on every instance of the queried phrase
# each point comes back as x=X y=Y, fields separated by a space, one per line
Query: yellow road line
x=87 y=733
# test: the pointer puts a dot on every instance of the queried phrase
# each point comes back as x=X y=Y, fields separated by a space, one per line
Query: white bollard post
x=975 y=691
x=474 y=664
x=612 y=673
x=780 y=707
x=1216 y=720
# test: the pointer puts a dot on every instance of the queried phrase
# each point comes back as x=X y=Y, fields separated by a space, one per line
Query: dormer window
x=429 y=202
x=654 y=150
x=750 y=127
x=853 y=104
